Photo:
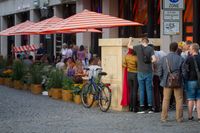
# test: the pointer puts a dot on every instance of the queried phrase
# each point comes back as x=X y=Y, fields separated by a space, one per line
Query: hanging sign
x=173 y=4
x=171 y=28
x=171 y=15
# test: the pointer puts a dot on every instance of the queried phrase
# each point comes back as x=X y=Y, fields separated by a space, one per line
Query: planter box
x=56 y=93
x=67 y=95
x=50 y=93
x=2 y=81
x=36 y=88
x=77 y=99
x=18 y=84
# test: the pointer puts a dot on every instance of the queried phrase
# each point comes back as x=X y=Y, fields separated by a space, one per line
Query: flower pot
x=17 y=84
x=89 y=100
x=25 y=86
x=50 y=93
x=36 y=88
x=56 y=93
x=77 y=99
x=10 y=83
x=2 y=81
x=7 y=81
x=67 y=95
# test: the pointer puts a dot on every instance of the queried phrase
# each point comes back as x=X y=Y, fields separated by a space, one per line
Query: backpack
x=174 y=78
x=146 y=58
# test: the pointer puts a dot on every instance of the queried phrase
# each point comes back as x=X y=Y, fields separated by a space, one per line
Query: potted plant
x=67 y=89
x=2 y=68
x=76 y=94
x=54 y=83
x=18 y=72
x=7 y=75
x=36 y=74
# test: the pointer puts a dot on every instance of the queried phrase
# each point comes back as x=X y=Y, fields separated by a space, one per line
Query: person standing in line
x=186 y=52
x=157 y=89
x=130 y=63
x=146 y=57
x=193 y=89
x=172 y=63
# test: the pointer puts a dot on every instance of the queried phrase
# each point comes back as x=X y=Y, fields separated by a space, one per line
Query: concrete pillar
x=34 y=17
x=58 y=11
x=167 y=39
x=110 y=7
x=17 y=38
x=4 y=42
x=83 y=38
x=0 y=36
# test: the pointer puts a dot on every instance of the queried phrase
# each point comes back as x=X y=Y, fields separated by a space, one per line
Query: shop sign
x=172 y=15
x=173 y=4
x=171 y=28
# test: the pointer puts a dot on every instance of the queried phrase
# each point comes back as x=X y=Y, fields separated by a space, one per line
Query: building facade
x=148 y=12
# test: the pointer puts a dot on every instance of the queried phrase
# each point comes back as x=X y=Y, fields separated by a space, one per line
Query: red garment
x=125 y=91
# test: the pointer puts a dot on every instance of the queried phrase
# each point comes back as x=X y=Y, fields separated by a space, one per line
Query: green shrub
x=76 y=90
x=18 y=70
x=68 y=83
x=55 y=79
x=36 y=73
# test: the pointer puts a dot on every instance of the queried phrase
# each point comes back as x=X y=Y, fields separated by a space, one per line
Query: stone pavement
x=23 y=112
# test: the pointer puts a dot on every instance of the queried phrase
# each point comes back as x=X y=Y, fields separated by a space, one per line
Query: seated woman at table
x=79 y=72
x=70 y=71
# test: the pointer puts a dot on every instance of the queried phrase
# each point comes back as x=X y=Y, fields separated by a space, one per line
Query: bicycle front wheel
x=87 y=96
x=105 y=97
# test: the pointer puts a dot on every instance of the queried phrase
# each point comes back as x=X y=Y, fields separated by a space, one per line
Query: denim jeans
x=193 y=90
x=145 y=81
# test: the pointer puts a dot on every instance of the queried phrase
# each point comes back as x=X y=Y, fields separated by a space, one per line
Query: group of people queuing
x=157 y=75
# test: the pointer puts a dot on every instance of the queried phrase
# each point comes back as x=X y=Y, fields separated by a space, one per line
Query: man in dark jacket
x=176 y=62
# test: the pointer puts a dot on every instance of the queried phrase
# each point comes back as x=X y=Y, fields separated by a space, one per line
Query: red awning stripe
x=88 y=20
x=25 y=48
x=12 y=30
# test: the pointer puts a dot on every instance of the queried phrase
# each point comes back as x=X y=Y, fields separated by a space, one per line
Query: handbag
x=197 y=71
x=174 y=78
x=146 y=59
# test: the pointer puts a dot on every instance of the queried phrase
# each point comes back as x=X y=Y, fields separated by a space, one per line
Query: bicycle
x=96 y=90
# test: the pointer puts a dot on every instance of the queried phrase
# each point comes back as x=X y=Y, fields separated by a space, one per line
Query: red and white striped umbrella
x=13 y=30
x=88 y=19
x=40 y=26
x=25 y=48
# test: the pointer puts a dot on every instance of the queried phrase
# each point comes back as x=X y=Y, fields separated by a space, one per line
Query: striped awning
x=13 y=30
x=38 y=27
x=88 y=20
x=25 y=48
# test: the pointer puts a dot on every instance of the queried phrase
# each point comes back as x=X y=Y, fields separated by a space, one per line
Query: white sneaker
x=141 y=112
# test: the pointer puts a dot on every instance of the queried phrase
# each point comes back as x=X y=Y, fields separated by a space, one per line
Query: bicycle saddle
x=102 y=73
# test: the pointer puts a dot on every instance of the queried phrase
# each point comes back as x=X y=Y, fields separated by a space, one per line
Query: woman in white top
x=66 y=52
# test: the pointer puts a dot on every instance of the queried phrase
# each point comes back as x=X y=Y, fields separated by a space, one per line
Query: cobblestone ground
x=23 y=112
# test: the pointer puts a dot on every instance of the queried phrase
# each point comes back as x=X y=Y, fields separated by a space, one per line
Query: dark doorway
x=25 y=39
x=96 y=5
x=69 y=10
x=47 y=40
x=11 y=39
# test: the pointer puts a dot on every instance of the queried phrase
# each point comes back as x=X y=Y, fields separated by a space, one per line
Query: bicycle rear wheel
x=105 y=97
x=87 y=96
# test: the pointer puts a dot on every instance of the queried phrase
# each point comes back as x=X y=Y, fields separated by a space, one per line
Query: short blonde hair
x=195 y=47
